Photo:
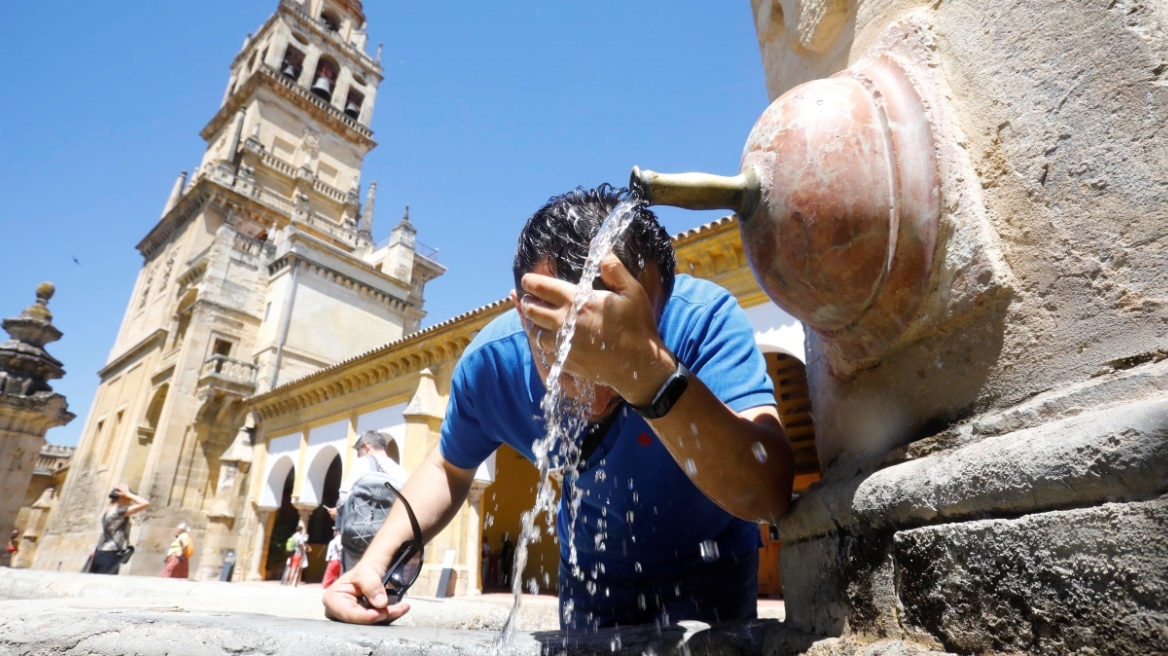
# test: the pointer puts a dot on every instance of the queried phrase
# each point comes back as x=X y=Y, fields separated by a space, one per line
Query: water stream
x=566 y=417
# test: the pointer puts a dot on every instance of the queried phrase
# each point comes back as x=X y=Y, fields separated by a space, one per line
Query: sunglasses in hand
x=406 y=564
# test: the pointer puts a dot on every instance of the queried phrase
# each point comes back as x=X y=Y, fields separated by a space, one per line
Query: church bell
x=323 y=88
x=290 y=71
x=352 y=110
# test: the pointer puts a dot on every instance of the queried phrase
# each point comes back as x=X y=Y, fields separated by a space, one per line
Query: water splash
x=566 y=417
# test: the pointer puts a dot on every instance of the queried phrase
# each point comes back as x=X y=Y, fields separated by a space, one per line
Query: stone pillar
x=28 y=406
x=259 y=550
x=305 y=511
x=474 y=537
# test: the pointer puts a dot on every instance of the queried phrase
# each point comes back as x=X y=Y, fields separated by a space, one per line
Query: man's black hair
x=562 y=229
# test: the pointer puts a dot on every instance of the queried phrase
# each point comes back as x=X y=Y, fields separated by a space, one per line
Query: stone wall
x=994 y=484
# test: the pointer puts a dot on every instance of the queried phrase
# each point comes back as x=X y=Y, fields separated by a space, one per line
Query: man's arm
x=617 y=344
x=436 y=491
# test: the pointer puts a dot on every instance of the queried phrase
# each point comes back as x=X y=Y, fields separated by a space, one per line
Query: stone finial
x=175 y=193
x=426 y=402
x=379 y=47
x=365 y=228
x=25 y=366
x=406 y=215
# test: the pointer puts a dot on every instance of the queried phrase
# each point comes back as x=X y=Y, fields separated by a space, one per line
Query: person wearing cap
x=179 y=554
x=115 y=529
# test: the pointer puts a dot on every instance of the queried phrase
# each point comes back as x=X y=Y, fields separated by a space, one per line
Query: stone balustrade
x=225 y=369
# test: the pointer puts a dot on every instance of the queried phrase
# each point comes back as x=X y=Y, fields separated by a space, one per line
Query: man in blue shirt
x=683 y=455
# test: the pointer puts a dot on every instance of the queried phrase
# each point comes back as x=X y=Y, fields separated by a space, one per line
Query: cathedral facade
x=261 y=269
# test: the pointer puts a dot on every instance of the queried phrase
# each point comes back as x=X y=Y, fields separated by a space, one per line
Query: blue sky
x=486 y=110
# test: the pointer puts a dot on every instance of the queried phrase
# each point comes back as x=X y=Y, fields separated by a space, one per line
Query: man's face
x=605 y=399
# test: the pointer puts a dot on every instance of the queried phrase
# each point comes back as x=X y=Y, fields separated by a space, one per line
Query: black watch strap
x=668 y=395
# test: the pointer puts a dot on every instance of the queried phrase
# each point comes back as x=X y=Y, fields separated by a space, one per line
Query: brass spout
x=700 y=191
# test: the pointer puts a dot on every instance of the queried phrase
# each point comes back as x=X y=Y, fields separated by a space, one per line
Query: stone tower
x=28 y=406
x=260 y=270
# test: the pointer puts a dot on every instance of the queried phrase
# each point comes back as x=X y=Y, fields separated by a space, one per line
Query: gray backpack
x=363 y=513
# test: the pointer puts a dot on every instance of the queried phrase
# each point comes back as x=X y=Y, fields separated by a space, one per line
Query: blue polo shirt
x=640 y=514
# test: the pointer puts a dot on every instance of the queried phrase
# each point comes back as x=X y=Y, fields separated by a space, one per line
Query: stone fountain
x=987 y=326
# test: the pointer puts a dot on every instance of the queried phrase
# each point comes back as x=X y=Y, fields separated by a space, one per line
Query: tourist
x=13 y=546
x=372 y=455
x=179 y=554
x=300 y=551
x=683 y=425
x=506 y=560
x=114 y=546
x=333 y=559
x=485 y=564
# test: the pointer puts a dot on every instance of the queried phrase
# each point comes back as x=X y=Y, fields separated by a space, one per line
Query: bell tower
x=262 y=269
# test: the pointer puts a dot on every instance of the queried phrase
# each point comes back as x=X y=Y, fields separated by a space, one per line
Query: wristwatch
x=668 y=395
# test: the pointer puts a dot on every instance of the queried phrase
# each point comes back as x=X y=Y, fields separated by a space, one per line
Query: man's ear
x=515 y=302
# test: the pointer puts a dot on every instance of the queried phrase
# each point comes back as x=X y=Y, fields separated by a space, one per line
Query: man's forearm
x=716 y=448
x=435 y=491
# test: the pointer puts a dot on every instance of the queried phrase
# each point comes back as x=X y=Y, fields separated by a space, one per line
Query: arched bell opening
x=293 y=63
x=353 y=103
x=330 y=19
x=324 y=80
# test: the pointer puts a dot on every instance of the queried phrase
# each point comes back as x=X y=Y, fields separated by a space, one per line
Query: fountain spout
x=700 y=191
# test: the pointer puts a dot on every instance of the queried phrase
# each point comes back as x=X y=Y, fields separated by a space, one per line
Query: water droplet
x=676 y=589
x=693 y=428
x=641 y=600
x=533 y=586
x=760 y=451
x=547 y=580
x=604 y=511
x=709 y=550
x=630 y=483
x=602 y=347
x=636 y=497
x=690 y=467
x=698 y=444
x=637 y=567
x=599 y=476
x=629 y=517
x=591 y=588
x=634 y=375
x=607 y=592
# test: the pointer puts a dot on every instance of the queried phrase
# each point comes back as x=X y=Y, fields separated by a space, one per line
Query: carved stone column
x=259 y=549
x=28 y=406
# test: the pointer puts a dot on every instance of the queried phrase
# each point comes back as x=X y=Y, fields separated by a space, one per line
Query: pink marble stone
x=846 y=232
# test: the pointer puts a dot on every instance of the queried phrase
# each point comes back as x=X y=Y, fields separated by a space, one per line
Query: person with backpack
x=178 y=556
x=364 y=500
x=299 y=560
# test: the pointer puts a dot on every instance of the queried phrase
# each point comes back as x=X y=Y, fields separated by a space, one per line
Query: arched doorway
x=283 y=526
x=504 y=501
x=320 y=524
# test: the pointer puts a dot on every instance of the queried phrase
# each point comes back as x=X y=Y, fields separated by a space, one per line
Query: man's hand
x=343 y=599
x=616 y=341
